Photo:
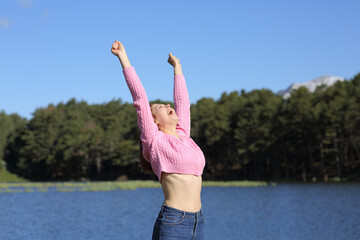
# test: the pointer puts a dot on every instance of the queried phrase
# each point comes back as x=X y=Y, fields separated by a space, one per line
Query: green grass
x=6 y=176
x=235 y=184
x=30 y=187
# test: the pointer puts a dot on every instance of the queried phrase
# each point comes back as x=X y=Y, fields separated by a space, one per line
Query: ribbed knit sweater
x=166 y=153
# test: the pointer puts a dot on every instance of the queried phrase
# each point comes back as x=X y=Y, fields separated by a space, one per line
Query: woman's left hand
x=172 y=60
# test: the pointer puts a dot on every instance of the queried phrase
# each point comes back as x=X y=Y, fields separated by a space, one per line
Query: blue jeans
x=173 y=223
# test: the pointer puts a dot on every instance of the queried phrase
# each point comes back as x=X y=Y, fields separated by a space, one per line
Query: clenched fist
x=118 y=48
x=172 y=60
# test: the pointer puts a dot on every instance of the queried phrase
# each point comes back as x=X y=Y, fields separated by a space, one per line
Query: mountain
x=311 y=85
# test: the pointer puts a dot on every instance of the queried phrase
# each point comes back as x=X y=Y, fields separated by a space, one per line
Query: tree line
x=254 y=135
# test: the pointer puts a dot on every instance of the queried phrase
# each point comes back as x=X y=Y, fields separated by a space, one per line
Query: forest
x=257 y=135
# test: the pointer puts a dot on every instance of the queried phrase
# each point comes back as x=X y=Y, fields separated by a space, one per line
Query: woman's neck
x=171 y=131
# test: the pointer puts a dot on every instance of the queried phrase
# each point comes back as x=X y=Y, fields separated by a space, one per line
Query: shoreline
x=98 y=186
x=12 y=187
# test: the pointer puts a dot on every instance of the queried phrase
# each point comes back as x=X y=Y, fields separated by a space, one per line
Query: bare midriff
x=182 y=191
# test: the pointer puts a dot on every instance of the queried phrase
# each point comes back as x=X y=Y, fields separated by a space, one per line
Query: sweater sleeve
x=182 y=104
x=145 y=121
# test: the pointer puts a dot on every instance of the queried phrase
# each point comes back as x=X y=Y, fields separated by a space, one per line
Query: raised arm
x=181 y=96
x=145 y=120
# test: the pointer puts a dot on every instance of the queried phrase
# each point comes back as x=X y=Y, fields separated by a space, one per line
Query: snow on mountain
x=311 y=85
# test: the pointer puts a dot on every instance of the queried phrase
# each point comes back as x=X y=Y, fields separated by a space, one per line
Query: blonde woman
x=169 y=152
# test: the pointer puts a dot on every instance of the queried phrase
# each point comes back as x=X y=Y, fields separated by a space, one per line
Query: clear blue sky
x=51 y=51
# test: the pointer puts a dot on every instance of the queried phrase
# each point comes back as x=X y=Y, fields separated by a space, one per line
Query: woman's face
x=164 y=115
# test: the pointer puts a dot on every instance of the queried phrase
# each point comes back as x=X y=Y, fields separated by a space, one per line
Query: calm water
x=286 y=211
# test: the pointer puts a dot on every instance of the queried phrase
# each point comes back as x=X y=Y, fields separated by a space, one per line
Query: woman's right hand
x=118 y=48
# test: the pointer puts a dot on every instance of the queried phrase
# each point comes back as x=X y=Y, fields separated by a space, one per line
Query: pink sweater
x=166 y=153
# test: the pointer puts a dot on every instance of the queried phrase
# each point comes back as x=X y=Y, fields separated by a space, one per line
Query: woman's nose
x=168 y=105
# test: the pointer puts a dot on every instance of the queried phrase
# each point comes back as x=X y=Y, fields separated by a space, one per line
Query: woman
x=174 y=157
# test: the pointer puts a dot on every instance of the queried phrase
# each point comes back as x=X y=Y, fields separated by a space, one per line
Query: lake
x=285 y=211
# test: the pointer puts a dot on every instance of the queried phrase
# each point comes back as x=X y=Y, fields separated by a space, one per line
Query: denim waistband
x=165 y=208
